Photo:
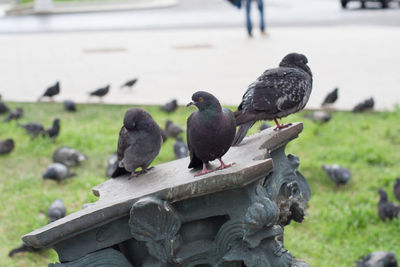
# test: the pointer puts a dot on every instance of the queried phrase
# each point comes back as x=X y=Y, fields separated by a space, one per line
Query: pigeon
x=51 y=91
x=129 y=83
x=69 y=105
x=3 y=107
x=386 y=209
x=139 y=142
x=112 y=164
x=263 y=126
x=54 y=130
x=277 y=93
x=331 y=97
x=57 y=172
x=338 y=174
x=319 y=116
x=170 y=106
x=15 y=115
x=6 y=146
x=33 y=129
x=56 y=210
x=210 y=131
x=23 y=248
x=180 y=149
x=365 y=105
x=68 y=156
x=172 y=129
x=100 y=92
x=378 y=259
x=164 y=135
x=396 y=188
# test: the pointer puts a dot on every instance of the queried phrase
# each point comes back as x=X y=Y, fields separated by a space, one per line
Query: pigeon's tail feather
x=241 y=133
x=119 y=172
x=195 y=162
x=22 y=248
x=243 y=117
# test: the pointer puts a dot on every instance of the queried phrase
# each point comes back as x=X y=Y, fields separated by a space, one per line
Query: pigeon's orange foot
x=133 y=174
x=204 y=170
x=282 y=126
x=223 y=165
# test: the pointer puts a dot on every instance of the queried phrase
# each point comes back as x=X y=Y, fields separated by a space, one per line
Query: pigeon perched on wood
x=139 y=142
x=331 y=97
x=54 y=130
x=365 y=105
x=112 y=164
x=69 y=105
x=3 y=107
x=170 y=106
x=210 y=131
x=277 y=93
x=57 y=172
x=180 y=149
x=338 y=174
x=100 y=92
x=6 y=146
x=378 y=259
x=57 y=210
x=396 y=188
x=386 y=209
x=33 y=129
x=263 y=126
x=172 y=129
x=23 y=248
x=129 y=83
x=68 y=156
x=15 y=115
x=51 y=91
x=319 y=116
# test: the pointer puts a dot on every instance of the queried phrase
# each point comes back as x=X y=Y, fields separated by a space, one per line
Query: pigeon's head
x=383 y=195
x=9 y=142
x=203 y=101
x=295 y=60
x=50 y=173
x=135 y=118
x=56 y=122
x=390 y=260
x=175 y=102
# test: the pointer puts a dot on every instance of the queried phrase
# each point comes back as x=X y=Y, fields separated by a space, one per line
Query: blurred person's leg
x=260 y=5
x=248 y=18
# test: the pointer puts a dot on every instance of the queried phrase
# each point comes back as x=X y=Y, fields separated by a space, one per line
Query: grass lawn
x=341 y=223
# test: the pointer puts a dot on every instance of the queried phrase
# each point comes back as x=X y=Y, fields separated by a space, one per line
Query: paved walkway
x=362 y=61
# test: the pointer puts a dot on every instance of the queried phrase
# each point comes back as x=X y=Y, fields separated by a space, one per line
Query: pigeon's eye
x=201 y=99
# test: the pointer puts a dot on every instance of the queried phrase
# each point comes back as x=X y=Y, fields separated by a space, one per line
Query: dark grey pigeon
x=57 y=210
x=396 y=188
x=331 y=97
x=68 y=156
x=378 y=259
x=23 y=248
x=180 y=149
x=15 y=115
x=277 y=93
x=319 y=116
x=170 y=106
x=112 y=164
x=172 y=129
x=338 y=174
x=69 y=105
x=386 y=209
x=51 y=91
x=33 y=129
x=210 y=131
x=129 y=83
x=3 y=107
x=100 y=92
x=365 y=105
x=54 y=130
x=6 y=146
x=57 y=172
x=263 y=126
x=139 y=142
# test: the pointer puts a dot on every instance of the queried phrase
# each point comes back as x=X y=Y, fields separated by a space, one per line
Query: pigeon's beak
x=191 y=104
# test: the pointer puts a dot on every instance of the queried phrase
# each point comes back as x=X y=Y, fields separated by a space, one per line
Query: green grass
x=341 y=223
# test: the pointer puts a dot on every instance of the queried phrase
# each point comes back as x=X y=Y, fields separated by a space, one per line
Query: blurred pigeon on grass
x=3 y=107
x=56 y=211
x=33 y=129
x=277 y=93
x=51 y=92
x=338 y=174
x=57 y=172
x=54 y=130
x=101 y=92
x=386 y=209
x=68 y=156
x=263 y=126
x=378 y=259
x=396 y=188
x=69 y=105
x=180 y=149
x=364 y=106
x=172 y=129
x=170 y=106
x=6 y=146
x=319 y=116
x=15 y=115
x=331 y=97
x=139 y=143
x=210 y=131
x=129 y=83
x=112 y=164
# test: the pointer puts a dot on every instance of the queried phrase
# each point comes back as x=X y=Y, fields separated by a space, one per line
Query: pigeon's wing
x=194 y=161
x=122 y=143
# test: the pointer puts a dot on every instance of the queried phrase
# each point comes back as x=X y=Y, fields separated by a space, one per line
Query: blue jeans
x=260 y=6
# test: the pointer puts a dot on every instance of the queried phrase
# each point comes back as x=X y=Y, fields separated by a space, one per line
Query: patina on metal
x=169 y=217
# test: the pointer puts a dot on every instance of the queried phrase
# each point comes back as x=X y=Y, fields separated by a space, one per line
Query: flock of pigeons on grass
x=211 y=131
